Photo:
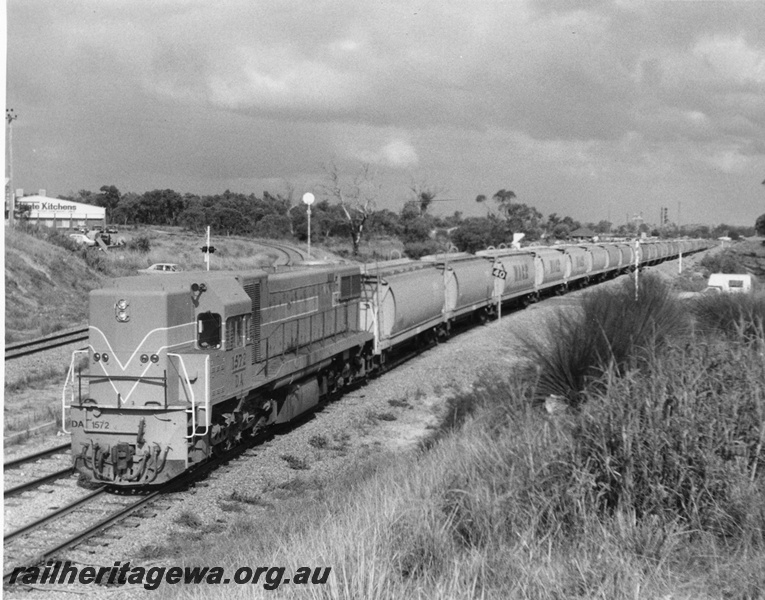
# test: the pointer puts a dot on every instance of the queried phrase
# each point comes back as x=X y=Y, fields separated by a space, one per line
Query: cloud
x=396 y=154
x=732 y=59
x=547 y=94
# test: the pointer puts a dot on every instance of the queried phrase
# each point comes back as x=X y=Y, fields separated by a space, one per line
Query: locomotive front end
x=129 y=414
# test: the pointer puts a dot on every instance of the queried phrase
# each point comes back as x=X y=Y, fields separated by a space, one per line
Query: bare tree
x=357 y=196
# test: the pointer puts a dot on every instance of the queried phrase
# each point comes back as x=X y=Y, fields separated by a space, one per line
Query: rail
x=19 y=349
x=15 y=491
x=17 y=462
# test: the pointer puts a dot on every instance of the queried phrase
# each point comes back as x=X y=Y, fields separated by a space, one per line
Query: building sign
x=44 y=208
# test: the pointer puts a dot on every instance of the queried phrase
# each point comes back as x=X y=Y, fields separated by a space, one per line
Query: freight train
x=183 y=366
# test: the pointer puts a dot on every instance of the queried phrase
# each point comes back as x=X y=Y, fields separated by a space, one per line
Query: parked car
x=81 y=238
x=161 y=268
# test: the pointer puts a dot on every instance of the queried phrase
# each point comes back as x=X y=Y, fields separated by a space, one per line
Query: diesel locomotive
x=182 y=366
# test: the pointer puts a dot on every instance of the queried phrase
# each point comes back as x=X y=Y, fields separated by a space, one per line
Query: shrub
x=95 y=259
x=142 y=243
x=418 y=249
x=611 y=329
x=726 y=261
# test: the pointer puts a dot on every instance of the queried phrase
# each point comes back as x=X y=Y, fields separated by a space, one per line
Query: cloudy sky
x=581 y=107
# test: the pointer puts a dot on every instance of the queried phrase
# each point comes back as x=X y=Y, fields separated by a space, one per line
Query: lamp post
x=308 y=199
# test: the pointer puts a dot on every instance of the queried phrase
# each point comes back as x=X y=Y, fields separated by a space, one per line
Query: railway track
x=89 y=515
x=31 y=459
x=292 y=255
x=49 y=342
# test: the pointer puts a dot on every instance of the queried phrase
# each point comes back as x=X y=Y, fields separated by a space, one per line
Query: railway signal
x=208 y=249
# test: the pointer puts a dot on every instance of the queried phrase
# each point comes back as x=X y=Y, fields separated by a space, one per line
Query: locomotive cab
x=142 y=414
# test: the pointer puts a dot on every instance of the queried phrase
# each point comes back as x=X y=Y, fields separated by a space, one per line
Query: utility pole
x=10 y=117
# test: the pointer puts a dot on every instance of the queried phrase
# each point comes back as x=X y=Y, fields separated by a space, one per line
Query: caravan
x=728 y=283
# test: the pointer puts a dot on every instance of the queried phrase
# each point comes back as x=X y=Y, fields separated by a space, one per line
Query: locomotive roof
x=183 y=279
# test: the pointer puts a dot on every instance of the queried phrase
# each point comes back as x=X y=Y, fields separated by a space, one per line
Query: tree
x=603 y=226
x=125 y=211
x=502 y=198
x=356 y=196
x=424 y=194
x=759 y=225
x=109 y=198
x=478 y=233
x=524 y=219
x=384 y=222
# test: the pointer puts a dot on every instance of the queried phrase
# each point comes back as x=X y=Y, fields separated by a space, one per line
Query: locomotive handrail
x=193 y=409
x=69 y=375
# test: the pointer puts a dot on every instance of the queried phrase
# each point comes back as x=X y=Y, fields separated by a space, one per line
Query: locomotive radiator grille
x=253 y=291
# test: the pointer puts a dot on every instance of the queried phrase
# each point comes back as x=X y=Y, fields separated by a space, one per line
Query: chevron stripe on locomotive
x=185 y=365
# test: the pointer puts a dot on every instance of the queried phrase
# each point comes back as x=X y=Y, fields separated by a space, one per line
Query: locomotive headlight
x=105 y=357
x=155 y=358
x=144 y=358
x=96 y=356
x=120 y=311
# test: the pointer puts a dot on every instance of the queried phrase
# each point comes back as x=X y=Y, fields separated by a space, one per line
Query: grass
x=731 y=314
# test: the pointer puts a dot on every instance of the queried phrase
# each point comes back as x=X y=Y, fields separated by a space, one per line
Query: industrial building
x=61 y=214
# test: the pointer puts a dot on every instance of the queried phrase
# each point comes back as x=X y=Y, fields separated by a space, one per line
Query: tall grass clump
x=684 y=445
x=610 y=330
x=731 y=314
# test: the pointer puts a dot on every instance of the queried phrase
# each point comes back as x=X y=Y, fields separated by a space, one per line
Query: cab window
x=238 y=331
x=208 y=330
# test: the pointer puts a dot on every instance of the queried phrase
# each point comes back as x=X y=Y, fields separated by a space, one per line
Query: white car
x=81 y=238
x=161 y=268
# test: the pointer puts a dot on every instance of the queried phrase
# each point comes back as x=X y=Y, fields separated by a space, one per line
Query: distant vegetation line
x=347 y=210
